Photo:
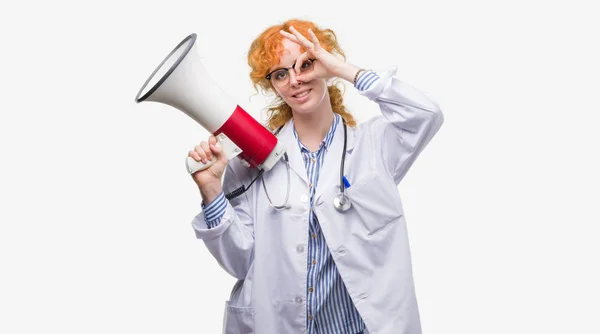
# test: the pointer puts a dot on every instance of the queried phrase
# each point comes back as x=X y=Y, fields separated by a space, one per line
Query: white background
x=96 y=205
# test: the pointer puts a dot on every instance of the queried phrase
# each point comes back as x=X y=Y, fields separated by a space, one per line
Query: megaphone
x=182 y=82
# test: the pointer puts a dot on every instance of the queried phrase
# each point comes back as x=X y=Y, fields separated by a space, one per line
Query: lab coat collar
x=287 y=138
x=326 y=142
x=332 y=159
x=330 y=171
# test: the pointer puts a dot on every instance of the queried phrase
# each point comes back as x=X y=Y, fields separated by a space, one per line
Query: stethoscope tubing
x=341 y=202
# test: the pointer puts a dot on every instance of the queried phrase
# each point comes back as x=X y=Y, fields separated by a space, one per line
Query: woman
x=308 y=267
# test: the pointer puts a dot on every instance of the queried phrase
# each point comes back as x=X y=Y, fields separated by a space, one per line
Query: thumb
x=306 y=77
x=216 y=149
x=212 y=140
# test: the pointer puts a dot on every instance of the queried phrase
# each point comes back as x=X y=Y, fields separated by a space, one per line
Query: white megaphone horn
x=182 y=82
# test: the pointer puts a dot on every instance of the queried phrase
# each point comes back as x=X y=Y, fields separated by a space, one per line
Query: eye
x=280 y=75
x=306 y=65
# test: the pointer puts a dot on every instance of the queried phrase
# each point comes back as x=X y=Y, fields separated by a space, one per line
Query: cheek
x=323 y=93
x=282 y=92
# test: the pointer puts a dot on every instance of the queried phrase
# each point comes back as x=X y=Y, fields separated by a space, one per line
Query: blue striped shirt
x=214 y=211
x=329 y=308
x=328 y=305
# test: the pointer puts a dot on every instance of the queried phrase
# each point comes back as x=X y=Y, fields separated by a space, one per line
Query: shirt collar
x=328 y=138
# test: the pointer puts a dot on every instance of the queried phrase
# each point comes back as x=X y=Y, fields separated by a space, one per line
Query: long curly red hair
x=264 y=53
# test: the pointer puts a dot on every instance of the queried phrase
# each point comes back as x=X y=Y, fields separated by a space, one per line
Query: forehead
x=291 y=52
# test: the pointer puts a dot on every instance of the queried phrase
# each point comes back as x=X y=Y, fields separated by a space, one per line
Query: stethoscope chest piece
x=341 y=202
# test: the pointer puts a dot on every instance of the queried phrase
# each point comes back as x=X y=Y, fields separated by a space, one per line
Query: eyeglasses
x=281 y=76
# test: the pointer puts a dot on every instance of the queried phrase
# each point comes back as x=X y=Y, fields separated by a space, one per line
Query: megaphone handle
x=194 y=166
x=230 y=149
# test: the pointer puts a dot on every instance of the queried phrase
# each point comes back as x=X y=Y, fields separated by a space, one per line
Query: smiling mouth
x=304 y=93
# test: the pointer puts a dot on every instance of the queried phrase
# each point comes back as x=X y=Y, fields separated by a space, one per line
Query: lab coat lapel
x=329 y=176
x=293 y=151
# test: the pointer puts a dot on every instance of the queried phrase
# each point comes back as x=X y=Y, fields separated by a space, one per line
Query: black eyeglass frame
x=268 y=76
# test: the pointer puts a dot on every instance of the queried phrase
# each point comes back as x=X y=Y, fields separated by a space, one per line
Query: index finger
x=299 y=61
x=289 y=36
x=301 y=39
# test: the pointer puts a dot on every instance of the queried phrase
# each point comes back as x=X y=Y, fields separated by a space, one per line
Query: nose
x=294 y=82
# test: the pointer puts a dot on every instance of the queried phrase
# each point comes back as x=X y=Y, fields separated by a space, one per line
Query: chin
x=304 y=109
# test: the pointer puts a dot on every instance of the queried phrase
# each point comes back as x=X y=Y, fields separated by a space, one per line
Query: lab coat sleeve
x=231 y=241
x=410 y=120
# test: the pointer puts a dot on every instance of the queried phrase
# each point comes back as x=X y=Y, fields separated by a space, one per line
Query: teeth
x=301 y=94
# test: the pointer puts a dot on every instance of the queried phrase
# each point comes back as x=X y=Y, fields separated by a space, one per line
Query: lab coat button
x=300 y=248
x=298 y=300
x=304 y=198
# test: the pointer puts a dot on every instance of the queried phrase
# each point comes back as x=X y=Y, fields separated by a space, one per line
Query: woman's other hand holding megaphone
x=209 y=179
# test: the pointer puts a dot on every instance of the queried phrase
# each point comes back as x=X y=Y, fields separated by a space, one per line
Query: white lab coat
x=266 y=249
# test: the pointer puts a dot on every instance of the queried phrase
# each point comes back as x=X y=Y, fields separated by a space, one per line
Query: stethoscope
x=341 y=201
